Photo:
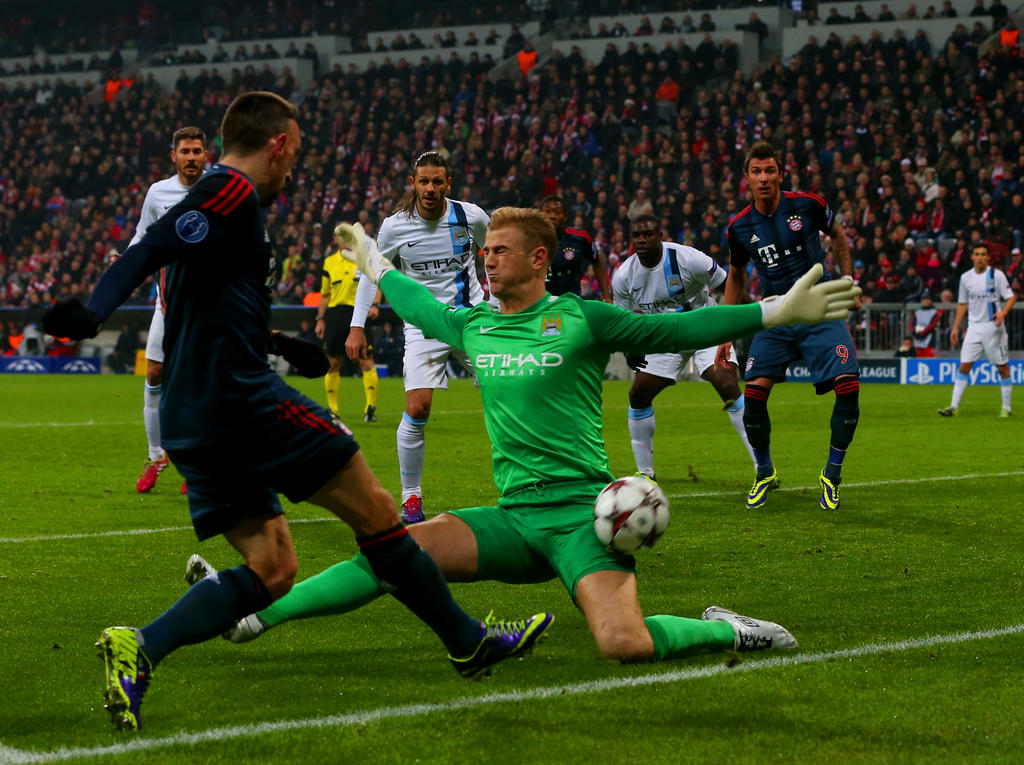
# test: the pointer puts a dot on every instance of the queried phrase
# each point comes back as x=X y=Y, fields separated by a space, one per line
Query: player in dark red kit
x=779 y=233
x=574 y=255
x=239 y=434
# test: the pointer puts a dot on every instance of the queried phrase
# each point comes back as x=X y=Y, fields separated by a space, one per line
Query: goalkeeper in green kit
x=540 y=361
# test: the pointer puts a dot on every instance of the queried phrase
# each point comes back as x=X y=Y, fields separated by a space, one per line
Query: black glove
x=636 y=361
x=67 y=317
x=308 y=358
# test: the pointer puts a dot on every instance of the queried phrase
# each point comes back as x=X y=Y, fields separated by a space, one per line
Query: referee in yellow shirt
x=337 y=298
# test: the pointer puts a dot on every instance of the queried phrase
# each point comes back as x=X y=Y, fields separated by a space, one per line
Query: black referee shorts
x=337 y=323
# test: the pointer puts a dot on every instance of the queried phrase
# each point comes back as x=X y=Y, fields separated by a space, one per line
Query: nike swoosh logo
x=413 y=244
x=485 y=330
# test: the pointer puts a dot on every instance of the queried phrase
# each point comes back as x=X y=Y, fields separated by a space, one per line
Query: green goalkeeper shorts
x=538 y=535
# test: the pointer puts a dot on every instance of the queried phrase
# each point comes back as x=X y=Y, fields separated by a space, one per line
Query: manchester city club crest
x=795 y=224
x=460 y=234
x=551 y=325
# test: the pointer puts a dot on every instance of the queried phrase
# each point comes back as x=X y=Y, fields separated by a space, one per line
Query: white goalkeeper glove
x=808 y=302
x=368 y=259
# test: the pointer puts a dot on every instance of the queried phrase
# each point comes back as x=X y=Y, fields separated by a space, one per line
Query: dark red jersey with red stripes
x=219 y=265
x=573 y=257
x=783 y=245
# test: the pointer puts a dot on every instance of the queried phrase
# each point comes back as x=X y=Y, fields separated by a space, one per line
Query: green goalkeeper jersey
x=541 y=370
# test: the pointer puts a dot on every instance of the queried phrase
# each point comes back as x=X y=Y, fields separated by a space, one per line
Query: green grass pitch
x=907 y=602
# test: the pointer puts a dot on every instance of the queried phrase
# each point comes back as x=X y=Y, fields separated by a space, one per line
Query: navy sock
x=411 y=575
x=834 y=466
x=209 y=607
x=758 y=427
x=845 y=414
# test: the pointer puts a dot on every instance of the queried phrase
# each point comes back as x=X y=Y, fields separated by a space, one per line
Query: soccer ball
x=630 y=513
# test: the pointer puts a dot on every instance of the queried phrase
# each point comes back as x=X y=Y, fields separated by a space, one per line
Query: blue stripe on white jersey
x=990 y=288
x=462 y=294
x=457 y=223
x=673 y=276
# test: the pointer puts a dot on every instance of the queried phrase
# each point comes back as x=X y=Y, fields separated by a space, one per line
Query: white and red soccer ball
x=630 y=513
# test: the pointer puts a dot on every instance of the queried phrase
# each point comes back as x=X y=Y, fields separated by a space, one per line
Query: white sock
x=736 y=417
x=1006 y=390
x=151 y=418
x=959 y=386
x=641 y=438
x=410 y=455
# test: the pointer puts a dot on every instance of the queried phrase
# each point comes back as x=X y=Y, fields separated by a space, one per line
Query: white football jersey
x=983 y=293
x=160 y=198
x=682 y=279
x=439 y=254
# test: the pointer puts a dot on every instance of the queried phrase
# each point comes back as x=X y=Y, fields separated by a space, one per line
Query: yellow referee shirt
x=339 y=280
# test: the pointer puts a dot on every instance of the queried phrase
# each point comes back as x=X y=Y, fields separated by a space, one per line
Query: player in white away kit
x=664 y=277
x=981 y=290
x=189 y=157
x=435 y=241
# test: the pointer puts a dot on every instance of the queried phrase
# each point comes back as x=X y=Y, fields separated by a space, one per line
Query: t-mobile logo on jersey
x=768 y=255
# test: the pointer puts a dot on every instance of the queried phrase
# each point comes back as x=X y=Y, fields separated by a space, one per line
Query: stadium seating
x=511 y=141
x=936 y=30
x=896 y=7
x=592 y=50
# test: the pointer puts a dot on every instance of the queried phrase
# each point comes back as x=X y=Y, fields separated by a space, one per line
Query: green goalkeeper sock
x=676 y=636
x=342 y=588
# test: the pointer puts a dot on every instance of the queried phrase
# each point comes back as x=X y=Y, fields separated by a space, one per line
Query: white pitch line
x=132 y=532
x=678 y=495
x=714 y=405
x=441 y=412
x=928 y=479
x=20 y=756
x=87 y=423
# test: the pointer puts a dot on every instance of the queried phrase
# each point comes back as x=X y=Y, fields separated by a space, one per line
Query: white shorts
x=671 y=365
x=426 y=361
x=986 y=339
x=155 y=341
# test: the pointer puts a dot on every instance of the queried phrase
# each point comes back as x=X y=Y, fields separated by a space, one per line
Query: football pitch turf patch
x=679 y=495
x=13 y=756
x=926 y=549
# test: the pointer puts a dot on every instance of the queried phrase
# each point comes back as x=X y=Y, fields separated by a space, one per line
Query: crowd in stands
x=686 y=25
x=43 y=64
x=240 y=53
x=67 y=28
x=511 y=43
x=919 y=152
x=997 y=11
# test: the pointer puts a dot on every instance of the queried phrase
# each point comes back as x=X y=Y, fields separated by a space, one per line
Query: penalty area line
x=859 y=484
x=86 y=424
x=19 y=756
x=677 y=495
x=133 y=532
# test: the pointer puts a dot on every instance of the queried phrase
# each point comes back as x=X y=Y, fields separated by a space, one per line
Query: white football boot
x=752 y=634
x=197 y=569
x=245 y=629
